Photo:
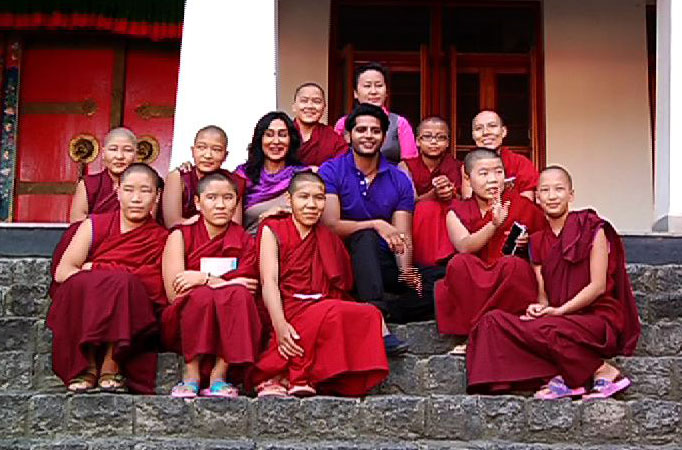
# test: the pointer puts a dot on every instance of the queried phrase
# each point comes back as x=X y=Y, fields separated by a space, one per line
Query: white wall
x=227 y=73
x=597 y=109
x=303 y=46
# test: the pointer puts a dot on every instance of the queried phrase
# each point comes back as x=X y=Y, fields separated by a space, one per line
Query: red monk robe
x=116 y=302
x=507 y=353
x=102 y=198
x=429 y=232
x=215 y=321
x=324 y=144
x=520 y=167
x=342 y=340
x=190 y=181
x=477 y=283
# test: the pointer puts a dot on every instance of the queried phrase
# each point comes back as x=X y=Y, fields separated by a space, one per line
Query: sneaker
x=395 y=346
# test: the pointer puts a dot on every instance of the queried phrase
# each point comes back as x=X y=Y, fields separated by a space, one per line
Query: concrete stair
x=422 y=405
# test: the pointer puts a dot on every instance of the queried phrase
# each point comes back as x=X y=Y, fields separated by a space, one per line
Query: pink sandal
x=302 y=391
x=556 y=389
x=271 y=388
x=604 y=388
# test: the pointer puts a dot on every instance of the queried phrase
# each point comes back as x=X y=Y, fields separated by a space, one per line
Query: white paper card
x=218 y=266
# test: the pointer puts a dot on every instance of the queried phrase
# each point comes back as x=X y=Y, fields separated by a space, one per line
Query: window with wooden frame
x=450 y=58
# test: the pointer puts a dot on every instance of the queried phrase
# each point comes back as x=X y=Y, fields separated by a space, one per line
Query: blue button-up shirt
x=390 y=191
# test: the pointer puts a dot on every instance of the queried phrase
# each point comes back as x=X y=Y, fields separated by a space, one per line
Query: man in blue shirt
x=370 y=204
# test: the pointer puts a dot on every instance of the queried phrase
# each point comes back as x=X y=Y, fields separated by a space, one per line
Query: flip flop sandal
x=220 y=388
x=459 y=350
x=185 y=389
x=271 y=388
x=556 y=389
x=89 y=378
x=604 y=388
x=119 y=383
x=302 y=391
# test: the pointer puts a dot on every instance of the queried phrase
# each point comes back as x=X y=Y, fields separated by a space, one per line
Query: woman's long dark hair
x=256 y=160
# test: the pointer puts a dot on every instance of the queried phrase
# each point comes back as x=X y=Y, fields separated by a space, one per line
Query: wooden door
x=149 y=101
x=65 y=91
x=72 y=92
x=409 y=82
x=503 y=83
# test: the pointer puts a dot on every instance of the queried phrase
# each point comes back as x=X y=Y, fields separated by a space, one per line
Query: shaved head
x=476 y=155
x=435 y=120
x=215 y=176
x=211 y=129
x=564 y=173
x=301 y=177
x=487 y=113
x=143 y=168
x=308 y=84
x=120 y=133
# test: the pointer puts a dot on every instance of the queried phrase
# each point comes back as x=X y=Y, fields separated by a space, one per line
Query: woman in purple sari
x=271 y=163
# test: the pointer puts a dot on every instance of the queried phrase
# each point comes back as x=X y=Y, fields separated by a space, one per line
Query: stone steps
x=390 y=418
x=216 y=444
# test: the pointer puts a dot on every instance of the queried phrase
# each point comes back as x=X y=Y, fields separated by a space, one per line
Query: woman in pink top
x=370 y=87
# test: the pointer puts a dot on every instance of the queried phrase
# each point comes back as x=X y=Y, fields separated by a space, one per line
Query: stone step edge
x=74 y=443
x=442 y=417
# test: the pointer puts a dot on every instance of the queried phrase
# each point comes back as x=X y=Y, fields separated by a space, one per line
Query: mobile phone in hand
x=510 y=247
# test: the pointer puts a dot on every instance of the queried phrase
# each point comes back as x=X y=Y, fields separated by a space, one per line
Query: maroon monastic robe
x=100 y=191
x=507 y=353
x=215 y=321
x=324 y=144
x=429 y=232
x=342 y=340
x=477 y=283
x=190 y=182
x=102 y=198
x=521 y=168
x=116 y=302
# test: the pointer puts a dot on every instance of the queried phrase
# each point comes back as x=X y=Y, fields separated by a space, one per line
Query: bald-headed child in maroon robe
x=108 y=293
x=319 y=141
x=437 y=178
x=212 y=320
x=585 y=311
x=480 y=278
x=323 y=342
x=208 y=152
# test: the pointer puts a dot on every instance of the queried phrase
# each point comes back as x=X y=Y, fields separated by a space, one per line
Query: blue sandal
x=219 y=388
x=185 y=389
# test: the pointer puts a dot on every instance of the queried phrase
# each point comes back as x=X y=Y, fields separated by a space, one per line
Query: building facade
x=583 y=84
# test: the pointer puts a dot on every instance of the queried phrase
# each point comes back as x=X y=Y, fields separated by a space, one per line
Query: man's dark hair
x=306 y=175
x=367 y=109
x=215 y=176
x=140 y=167
x=213 y=128
x=256 y=160
x=367 y=67
x=308 y=84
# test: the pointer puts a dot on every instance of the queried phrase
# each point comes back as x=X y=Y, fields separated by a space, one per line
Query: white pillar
x=228 y=73
x=668 y=199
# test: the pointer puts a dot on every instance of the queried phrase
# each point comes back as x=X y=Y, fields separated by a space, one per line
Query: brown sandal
x=118 y=383
x=90 y=380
